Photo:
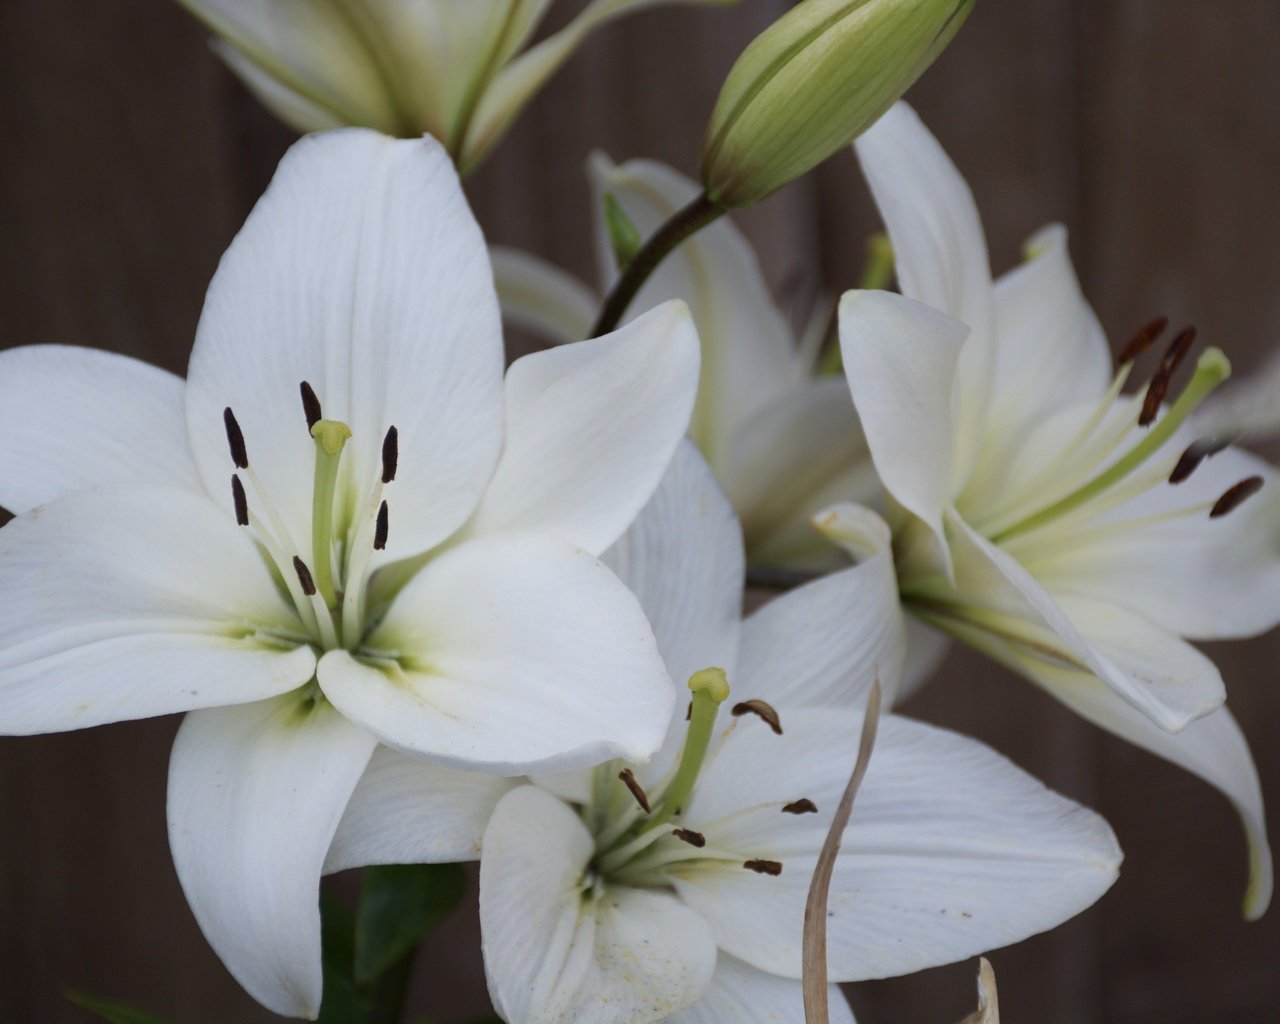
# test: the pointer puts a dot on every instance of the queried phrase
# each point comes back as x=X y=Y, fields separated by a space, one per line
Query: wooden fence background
x=130 y=157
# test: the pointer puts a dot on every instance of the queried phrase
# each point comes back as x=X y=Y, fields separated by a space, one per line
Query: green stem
x=680 y=226
x=387 y=994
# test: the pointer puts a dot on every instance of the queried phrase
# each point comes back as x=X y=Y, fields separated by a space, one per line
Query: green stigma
x=331 y=437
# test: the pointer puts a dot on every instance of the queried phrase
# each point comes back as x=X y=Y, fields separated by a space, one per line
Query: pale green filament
x=1211 y=370
x=331 y=436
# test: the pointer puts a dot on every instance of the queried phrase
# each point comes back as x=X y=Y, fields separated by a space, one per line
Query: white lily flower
x=784 y=442
x=596 y=911
x=418 y=569
x=1039 y=514
x=461 y=70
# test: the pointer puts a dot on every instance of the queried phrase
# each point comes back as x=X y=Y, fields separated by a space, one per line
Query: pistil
x=331 y=437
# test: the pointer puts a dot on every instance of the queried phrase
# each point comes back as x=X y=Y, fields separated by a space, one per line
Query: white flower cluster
x=417 y=611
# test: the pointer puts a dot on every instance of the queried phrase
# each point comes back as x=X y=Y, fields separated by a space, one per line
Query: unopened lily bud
x=813 y=82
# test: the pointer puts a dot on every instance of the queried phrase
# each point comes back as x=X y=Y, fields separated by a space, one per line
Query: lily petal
x=740 y=993
x=1202 y=578
x=591 y=428
x=853 y=627
x=952 y=850
x=796 y=457
x=940 y=253
x=1212 y=748
x=900 y=359
x=255 y=794
x=76 y=418
x=1171 y=683
x=554 y=950
x=1051 y=351
x=137 y=601
x=538 y=297
x=406 y=811
x=749 y=358
x=516 y=653
x=362 y=272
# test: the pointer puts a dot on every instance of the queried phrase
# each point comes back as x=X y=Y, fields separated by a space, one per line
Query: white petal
x=289 y=102
x=518 y=652
x=926 y=650
x=940 y=252
x=76 y=418
x=1050 y=349
x=517 y=83
x=749 y=358
x=901 y=361
x=541 y=298
x=591 y=428
x=1207 y=579
x=556 y=951
x=362 y=272
x=740 y=993
x=132 y=602
x=791 y=460
x=1212 y=748
x=255 y=793
x=951 y=850
x=825 y=643
x=308 y=48
x=1170 y=689
x=406 y=811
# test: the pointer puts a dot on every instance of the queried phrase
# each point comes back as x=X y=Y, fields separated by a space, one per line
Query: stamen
x=235 y=439
x=1211 y=370
x=240 y=501
x=1142 y=339
x=304 y=576
x=802 y=806
x=1236 y=496
x=381 y=530
x=761 y=710
x=1163 y=377
x=310 y=405
x=390 y=454
x=763 y=867
x=1195 y=454
x=629 y=780
x=331 y=437
x=688 y=835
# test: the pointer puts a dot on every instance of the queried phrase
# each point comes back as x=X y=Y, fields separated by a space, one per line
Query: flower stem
x=680 y=226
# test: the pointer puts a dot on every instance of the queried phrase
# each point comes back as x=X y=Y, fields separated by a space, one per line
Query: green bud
x=624 y=237
x=812 y=82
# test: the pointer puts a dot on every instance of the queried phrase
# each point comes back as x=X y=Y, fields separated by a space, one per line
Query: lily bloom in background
x=675 y=890
x=784 y=442
x=1075 y=533
x=341 y=529
x=461 y=70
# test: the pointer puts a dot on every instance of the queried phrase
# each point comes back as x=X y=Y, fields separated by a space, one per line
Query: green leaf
x=112 y=1013
x=342 y=1001
x=398 y=904
x=624 y=236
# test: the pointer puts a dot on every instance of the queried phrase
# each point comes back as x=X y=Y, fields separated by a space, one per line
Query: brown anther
x=688 y=835
x=629 y=780
x=1163 y=377
x=763 y=867
x=1142 y=339
x=304 y=576
x=390 y=454
x=760 y=709
x=310 y=404
x=1195 y=454
x=235 y=439
x=240 y=501
x=688 y=712
x=381 y=528
x=1236 y=496
x=802 y=806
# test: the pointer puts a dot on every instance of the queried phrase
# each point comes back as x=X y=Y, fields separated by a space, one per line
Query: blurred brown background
x=1151 y=127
